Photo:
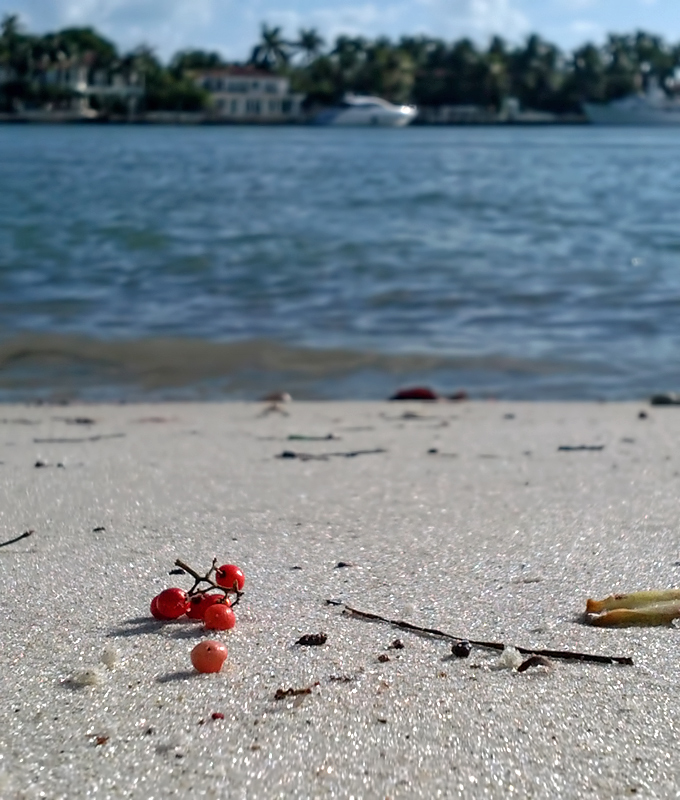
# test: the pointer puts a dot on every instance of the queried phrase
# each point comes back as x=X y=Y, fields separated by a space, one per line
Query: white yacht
x=653 y=107
x=365 y=110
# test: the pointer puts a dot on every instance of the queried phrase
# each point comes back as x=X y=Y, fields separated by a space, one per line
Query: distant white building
x=76 y=84
x=85 y=83
x=248 y=94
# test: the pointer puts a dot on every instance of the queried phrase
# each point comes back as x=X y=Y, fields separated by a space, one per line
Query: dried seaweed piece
x=326 y=456
x=632 y=600
x=302 y=456
x=298 y=437
x=281 y=694
x=70 y=440
x=648 y=616
x=312 y=639
x=573 y=448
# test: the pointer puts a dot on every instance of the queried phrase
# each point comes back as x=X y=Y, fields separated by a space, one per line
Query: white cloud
x=353 y=20
x=170 y=25
x=476 y=18
x=584 y=27
x=232 y=26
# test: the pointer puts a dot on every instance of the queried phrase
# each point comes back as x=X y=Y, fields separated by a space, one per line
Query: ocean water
x=226 y=262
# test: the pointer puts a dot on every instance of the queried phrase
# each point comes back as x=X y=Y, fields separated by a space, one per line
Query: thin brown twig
x=21 y=536
x=567 y=655
x=199 y=579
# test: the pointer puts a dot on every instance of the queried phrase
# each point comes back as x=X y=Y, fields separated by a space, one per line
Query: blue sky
x=231 y=26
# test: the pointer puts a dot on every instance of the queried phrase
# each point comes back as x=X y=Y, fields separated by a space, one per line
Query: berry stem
x=199 y=579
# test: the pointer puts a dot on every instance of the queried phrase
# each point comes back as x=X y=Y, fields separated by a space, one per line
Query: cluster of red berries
x=207 y=600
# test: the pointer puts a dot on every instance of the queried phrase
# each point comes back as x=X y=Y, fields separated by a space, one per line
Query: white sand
x=504 y=540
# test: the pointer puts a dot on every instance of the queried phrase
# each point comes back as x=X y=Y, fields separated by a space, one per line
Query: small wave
x=61 y=366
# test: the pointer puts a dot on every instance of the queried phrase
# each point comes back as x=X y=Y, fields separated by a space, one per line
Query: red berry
x=416 y=393
x=230 y=576
x=220 y=617
x=172 y=603
x=209 y=656
x=200 y=603
x=154 y=610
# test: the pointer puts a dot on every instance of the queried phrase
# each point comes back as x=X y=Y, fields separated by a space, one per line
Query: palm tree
x=16 y=48
x=349 y=51
x=537 y=73
x=309 y=43
x=273 y=50
x=9 y=27
x=388 y=71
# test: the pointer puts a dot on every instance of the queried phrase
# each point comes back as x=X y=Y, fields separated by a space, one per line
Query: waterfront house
x=248 y=94
x=64 y=88
x=94 y=90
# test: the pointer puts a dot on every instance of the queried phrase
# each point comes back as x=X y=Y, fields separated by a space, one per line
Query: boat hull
x=365 y=111
x=613 y=114
x=353 y=118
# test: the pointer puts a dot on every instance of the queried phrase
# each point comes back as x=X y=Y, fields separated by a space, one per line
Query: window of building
x=286 y=107
x=273 y=106
x=234 y=107
x=271 y=88
x=237 y=86
x=253 y=107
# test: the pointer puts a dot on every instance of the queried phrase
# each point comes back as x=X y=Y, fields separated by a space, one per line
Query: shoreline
x=172 y=118
x=464 y=516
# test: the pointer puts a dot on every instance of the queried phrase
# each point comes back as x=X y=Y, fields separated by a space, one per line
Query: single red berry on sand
x=415 y=393
x=200 y=603
x=230 y=576
x=172 y=603
x=154 y=610
x=209 y=656
x=220 y=617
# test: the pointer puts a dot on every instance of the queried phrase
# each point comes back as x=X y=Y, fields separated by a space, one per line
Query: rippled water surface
x=226 y=261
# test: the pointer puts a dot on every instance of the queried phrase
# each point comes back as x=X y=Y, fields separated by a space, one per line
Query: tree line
x=420 y=70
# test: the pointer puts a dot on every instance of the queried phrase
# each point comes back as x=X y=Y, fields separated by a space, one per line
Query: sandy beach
x=464 y=517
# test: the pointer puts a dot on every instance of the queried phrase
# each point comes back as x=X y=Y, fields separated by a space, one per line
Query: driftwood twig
x=18 y=538
x=567 y=655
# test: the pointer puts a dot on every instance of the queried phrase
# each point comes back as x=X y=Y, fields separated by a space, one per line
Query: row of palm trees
x=416 y=69
x=274 y=51
x=431 y=72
